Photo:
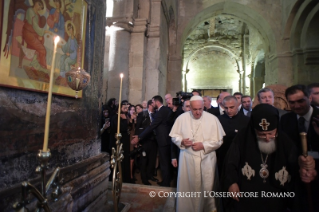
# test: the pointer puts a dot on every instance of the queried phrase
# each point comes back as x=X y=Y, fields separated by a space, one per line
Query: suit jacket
x=242 y=111
x=214 y=110
x=142 y=122
x=289 y=125
x=282 y=112
x=160 y=126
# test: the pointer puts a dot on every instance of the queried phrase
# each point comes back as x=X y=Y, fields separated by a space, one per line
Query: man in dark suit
x=149 y=145
x=162 y=129
x=238 y=96
x=313 y=90
x=246 y=105
x=220 y=109
x=301 y=119
x=267 y=96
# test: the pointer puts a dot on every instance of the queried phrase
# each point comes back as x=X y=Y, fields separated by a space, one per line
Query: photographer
x=176 y=105
x=147 y=147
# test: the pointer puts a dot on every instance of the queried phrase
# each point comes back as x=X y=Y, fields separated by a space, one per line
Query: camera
x=136 y=151
x=180 y=97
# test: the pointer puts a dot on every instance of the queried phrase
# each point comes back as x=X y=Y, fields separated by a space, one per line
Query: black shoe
x=146 y=183
x=160 y=183
x=153 y=179
x=132 y=181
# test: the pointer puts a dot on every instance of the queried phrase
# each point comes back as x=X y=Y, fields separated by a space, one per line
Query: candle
x=47 y=117
x=119 y=111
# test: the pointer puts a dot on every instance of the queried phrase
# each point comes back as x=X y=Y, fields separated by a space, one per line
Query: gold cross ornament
x=264 y=124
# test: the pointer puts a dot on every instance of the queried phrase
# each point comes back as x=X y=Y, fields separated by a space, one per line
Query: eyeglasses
x=266 y=137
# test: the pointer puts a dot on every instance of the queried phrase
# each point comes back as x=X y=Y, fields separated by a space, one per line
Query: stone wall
x=74 y=127
x=212 y=69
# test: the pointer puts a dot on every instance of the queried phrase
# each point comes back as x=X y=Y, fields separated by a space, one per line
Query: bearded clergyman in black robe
x=262 y=159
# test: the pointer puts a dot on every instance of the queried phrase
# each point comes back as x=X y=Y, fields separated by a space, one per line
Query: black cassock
x=244 y=155
x=231 y=127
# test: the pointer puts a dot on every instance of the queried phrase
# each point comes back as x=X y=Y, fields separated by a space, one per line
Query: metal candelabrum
x=116 y=159
x=28 y=188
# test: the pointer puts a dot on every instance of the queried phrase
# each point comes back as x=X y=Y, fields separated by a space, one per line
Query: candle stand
x=28 y=188
x=116 y=159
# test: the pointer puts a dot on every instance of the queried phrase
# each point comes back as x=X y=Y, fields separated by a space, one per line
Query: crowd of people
x=252 y=157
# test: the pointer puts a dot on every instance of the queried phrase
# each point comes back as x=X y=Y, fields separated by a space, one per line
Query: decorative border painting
x=28 y=29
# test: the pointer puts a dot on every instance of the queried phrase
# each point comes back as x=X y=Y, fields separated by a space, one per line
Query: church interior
x=160 y=46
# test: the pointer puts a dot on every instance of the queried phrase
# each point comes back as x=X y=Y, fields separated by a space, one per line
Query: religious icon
x=27 y=44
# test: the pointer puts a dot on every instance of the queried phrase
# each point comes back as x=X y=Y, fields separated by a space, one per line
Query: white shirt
x=221 y=110
x=307 y=117
x=150 y=114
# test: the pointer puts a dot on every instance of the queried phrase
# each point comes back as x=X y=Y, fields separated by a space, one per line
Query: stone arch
x=310 y=32
x=304 y=43
x=291 y=18
x=245 y=14
x=299 y=23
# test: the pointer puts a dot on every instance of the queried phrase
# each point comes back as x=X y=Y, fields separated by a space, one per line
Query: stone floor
x=137 y=197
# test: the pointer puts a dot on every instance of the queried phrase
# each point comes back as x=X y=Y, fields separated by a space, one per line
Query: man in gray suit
x=267 y=96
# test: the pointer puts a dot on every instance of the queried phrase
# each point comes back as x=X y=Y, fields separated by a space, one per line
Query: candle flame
x=121 y=75
x=57 y=39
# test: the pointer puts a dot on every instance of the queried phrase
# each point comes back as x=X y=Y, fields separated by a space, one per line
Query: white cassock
x=196 y=169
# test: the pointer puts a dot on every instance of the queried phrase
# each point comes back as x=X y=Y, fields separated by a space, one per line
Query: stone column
x=241 y=77
x=119 y=59
x=137 y=60
x=174 y=75
x=106 y=66
x=258 y=84
x=152 y=72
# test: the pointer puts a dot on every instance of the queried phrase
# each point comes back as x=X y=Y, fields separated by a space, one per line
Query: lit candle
x=119 y=111
x=47 y=117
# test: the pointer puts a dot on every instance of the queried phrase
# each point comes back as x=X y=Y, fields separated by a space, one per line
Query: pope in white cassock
x=198 y=134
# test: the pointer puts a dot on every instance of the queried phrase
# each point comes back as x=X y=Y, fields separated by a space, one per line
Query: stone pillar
x=175 y=76
x=185 y=80
x=258 y=84
x=246 y=61
x=119 y=59
x=106 y=66
x=137 y=60
x=280 y=70
x=152 y=73
x=241 y=76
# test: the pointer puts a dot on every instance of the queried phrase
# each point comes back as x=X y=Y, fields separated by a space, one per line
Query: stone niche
x=74 y=140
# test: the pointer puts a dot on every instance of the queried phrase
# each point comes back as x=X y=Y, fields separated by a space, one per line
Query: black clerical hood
x=265 y=117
